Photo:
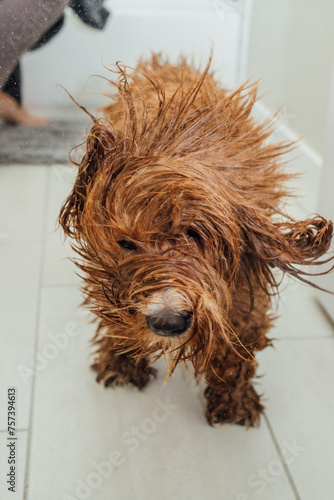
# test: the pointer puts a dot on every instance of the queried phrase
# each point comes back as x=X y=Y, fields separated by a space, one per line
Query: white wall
x=326 y=198
x=292 y=47
x=135 y=29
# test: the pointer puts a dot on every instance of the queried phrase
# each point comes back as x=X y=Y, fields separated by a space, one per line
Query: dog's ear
x=101 y=151
x=285 y=245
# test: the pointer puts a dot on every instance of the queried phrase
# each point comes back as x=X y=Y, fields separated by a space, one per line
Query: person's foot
x=10 y=111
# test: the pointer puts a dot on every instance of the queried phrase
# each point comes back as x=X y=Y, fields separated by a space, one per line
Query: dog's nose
x=169 y=324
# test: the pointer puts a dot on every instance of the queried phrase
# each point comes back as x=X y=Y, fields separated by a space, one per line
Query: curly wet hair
x=178 y=218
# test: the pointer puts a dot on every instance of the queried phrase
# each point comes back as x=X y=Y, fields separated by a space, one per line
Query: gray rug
x=42 y=145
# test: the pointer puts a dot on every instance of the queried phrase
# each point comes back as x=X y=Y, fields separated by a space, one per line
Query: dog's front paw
x=124 y=370
x=227 y=405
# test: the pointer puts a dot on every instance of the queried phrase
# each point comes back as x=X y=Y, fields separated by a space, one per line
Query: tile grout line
x=309 y=337
x=60 y=285
x=284 y=464
x=38 y=311
x=9 y=241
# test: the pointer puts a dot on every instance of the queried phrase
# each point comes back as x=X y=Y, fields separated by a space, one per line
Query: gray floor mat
x=42 y=145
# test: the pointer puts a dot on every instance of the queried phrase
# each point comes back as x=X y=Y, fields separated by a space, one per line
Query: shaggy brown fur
x=176 y=214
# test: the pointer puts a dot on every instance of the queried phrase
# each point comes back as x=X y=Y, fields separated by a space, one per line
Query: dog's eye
x=192 y=234
x=127 y=245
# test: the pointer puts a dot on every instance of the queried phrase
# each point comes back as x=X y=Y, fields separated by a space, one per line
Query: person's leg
x=21 y=25
x=12 y=112
x=12 y=86
x=50 y=33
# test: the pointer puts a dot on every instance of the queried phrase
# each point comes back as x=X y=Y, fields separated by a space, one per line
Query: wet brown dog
x=177 y=216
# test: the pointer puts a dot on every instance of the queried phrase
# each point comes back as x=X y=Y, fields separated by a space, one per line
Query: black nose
x=169 y=324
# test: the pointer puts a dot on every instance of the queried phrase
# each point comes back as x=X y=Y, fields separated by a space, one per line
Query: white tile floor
x=78 y=440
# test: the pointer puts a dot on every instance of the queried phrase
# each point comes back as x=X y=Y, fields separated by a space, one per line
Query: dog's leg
x=230 y=395
x=115 y=369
